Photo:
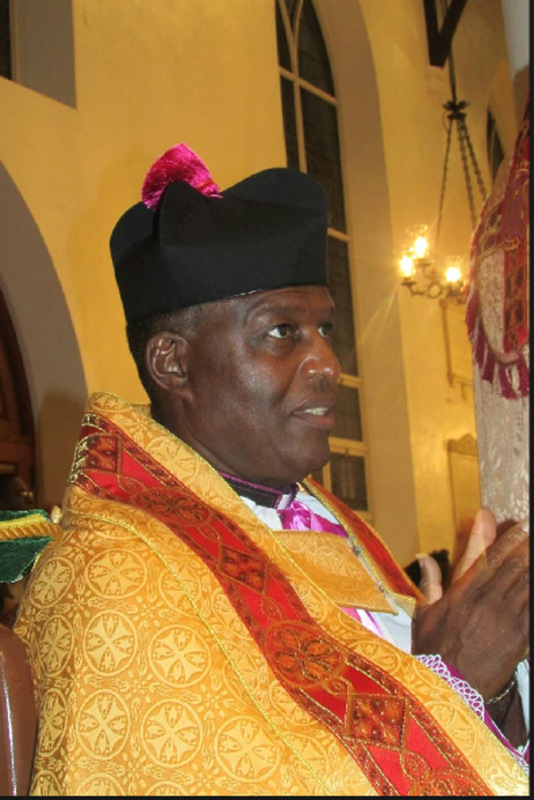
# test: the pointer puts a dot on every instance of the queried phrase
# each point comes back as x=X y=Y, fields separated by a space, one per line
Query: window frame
x=338 y=445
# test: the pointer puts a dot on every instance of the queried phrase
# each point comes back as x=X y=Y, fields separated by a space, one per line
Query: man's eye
x=280 y=331
x=326 y=330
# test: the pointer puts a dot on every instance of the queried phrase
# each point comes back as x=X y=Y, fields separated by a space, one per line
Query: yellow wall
x=144 y=80
x=146 y=77
x=149 y=75
x=411 y=97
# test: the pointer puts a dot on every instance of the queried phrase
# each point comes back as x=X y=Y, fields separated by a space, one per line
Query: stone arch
x=47 y=341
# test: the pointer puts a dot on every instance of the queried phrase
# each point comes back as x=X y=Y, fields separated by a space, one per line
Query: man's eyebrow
x=284 y=309
x=281 y=309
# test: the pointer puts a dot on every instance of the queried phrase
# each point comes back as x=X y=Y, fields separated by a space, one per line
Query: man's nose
x=321 y=365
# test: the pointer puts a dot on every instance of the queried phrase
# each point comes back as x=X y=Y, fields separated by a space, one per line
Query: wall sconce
x=426 y=275
x=423 y=272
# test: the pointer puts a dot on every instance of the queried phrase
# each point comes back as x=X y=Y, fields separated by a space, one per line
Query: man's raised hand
x=480 y=624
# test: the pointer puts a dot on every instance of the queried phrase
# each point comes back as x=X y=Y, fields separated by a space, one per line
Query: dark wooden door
x=17 y=440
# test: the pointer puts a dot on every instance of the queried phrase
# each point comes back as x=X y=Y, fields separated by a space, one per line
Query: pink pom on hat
x=178 y=163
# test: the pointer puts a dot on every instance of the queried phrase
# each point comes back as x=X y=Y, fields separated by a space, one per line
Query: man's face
x=262 y=385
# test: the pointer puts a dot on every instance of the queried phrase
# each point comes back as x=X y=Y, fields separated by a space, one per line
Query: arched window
x=5 y=39
x=312 y=145
x=37 y=47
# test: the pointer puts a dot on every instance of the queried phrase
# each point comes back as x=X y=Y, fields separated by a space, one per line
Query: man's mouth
x=317 y=416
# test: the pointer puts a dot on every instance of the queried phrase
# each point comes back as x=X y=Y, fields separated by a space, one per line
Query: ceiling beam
x=440 y=39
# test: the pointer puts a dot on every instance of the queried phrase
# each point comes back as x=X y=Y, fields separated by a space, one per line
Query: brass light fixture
x=426 y=275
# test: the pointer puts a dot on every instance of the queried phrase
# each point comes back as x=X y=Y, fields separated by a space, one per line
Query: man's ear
x=166 y=360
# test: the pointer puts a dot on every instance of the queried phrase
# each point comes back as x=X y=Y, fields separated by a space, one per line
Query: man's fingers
x=430 y=583
x=513 y=576
x=483 y=534
x=506 y=543
x=504 y=559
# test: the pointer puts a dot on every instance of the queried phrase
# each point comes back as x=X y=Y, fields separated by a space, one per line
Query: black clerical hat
x=196 y=245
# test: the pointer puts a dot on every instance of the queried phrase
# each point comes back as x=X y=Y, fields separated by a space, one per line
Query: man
x=213 y=622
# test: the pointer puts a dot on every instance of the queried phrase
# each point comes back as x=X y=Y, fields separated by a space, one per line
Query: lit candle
x=406 y=266
x=420 y=247
x=453 y=274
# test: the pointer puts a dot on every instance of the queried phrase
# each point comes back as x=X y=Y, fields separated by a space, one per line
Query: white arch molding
x=46 y=338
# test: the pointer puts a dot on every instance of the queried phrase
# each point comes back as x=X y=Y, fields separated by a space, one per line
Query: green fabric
x=17 y=555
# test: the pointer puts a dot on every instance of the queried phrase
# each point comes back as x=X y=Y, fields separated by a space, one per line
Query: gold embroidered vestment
x=179 y=646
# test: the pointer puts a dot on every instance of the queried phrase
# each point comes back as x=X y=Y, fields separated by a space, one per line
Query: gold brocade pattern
x=498 y=322
x=327 y=560
x=150 y=690
x=148 y=682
